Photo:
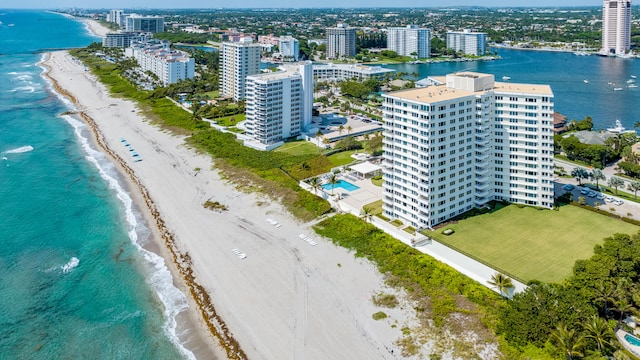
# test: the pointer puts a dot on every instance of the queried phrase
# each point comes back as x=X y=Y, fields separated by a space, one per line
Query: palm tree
x=597 y=175
x=635 y=187
x=340 y=129
x=315 y=184
x=598 y=329
x=569 y=341
x=615 y=183
x=366 y=213
x=349 y=128
x=579 y=173
x=604 y=292
x=333 y=180
x=502 y=283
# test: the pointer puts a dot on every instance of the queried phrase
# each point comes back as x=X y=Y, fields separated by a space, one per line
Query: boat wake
x=73 y=262
x=22 y=149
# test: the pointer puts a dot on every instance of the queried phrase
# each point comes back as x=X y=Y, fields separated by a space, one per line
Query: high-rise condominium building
x=124 y=39
x=616 y=27
x=409 y=41
x=239 y=60
x=289 y=47
x=279 y=104
x=152 y=24
x=170 y=66
x=469 y=42
x=116 y=17
x=463 y=142
x=341 y=41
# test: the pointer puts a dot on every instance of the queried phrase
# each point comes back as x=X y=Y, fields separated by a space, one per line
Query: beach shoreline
x=287 y=299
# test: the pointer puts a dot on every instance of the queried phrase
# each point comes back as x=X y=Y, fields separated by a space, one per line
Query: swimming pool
x=632 y=340
x=341 y=184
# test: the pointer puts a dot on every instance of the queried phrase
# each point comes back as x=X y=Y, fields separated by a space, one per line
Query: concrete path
x=462 y=263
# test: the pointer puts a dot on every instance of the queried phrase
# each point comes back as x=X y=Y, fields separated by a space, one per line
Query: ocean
x=76 y=281
x=566 y=73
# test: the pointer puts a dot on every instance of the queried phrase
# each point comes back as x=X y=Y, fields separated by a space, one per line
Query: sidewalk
x=462 y=263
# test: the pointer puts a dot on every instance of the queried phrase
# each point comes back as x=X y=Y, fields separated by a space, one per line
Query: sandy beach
x=287 y=299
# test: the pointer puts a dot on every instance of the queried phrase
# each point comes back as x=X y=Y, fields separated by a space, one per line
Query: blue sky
x=150 y=4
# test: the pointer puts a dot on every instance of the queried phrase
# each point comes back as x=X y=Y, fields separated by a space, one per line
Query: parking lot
x=605 y=202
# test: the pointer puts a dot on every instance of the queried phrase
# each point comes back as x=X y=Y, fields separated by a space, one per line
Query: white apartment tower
x=467 y=41
x=341 y=41
x=463 y=142
x=616 y=27
x=170 y=66
x=239 y=60
x=116 y=16
x=410 y=40
x=152 y=24
x=279 y=104
x=289 y=47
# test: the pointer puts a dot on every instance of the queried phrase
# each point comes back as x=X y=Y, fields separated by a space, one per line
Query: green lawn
x=376 y=207
x=212 y=94
x=530 y=243
x=226 y=121
x=342 y=158
x=300 y=147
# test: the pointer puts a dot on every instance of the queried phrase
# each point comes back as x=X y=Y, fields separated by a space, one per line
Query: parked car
x=584 y=191
x=591 y=194
x=569 y=187
x=600 y=196
x=608 y=198
x=618 y=202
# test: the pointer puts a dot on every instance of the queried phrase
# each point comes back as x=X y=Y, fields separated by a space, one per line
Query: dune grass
x=530 y=243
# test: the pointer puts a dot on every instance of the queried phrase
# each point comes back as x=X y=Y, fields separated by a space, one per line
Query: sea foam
x=22 y=149
x=73 y=262
x=159 y=277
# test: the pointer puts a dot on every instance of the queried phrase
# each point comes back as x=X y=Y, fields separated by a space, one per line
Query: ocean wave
x=21 y=149
x=160 y=278
x=28 y=88
x=73 y=262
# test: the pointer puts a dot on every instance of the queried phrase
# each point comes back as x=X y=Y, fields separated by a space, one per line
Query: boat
x=586 y=81
x=617 y=89
x=630 y=81
x=506 y=78
x=633 y=76
x=619 y=129
x=632 y=86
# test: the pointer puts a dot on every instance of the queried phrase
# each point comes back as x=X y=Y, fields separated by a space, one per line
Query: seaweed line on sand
x=182 y=261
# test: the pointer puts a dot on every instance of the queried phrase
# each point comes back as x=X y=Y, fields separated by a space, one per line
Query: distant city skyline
x=185 y=4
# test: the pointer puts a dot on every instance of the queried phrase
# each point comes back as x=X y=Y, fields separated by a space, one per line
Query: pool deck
x=634 y=349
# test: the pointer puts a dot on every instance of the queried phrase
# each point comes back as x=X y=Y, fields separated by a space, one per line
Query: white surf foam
x=21 y=149
x=73 y=262
x=28 y=88
x=159 y=277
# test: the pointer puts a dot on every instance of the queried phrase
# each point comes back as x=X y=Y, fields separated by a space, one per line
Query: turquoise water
x=75 y=281
x=565 y=73
x=341 y=184
x=632 y=340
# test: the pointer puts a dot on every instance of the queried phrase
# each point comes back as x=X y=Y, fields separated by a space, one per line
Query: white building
x=124 y=39
x=463 y=142
x=116 y=17
x=279 y=105
x=341 y=41
x=289 y=47
x=469 y=42
x=340 y=72
x=616 y=27
x=409 y=41
x=239 y=60
x=152 y=24
x=169 y=65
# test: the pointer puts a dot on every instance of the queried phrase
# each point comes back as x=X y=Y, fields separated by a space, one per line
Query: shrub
x=379 y=315
x=385 y=300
